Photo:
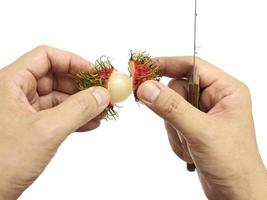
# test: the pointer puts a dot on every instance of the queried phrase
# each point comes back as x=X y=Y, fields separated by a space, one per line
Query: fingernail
x=100 y=94
x=148 y=92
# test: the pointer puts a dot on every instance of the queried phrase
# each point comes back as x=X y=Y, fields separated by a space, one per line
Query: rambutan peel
x=142 y=68
x=118 y=84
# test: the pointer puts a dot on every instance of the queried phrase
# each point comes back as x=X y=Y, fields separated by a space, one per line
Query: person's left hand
x=39 y=107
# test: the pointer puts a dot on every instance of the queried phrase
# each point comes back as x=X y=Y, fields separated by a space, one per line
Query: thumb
x=75 y=111
x=173 y=108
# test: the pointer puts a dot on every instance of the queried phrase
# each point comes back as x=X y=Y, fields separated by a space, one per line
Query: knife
x=193 y=82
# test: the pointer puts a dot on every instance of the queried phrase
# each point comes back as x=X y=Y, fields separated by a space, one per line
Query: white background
x=130 y=158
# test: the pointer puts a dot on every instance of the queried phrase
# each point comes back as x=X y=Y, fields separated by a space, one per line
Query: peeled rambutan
x=105 y=75
x=142 y=68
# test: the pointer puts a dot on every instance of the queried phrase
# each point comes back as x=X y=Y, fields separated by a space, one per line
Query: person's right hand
x=219 y=139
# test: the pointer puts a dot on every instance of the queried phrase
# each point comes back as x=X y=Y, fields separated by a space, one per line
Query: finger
x=174 y=140
x=74 y=112
x=63 y=83
x=43 y=59
x=29 y=68
x=187 y=156
x=93 y=124
x=173 y=108
x=178 y=67
x=45 y=84
x=55 y=98
x=179 y=86
x=51 y=100
x=178 y=143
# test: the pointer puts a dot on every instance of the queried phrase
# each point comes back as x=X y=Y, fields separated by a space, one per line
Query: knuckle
x=86 y=104
x=42 y=47
x=244 y=89
x=55 y=100
x=172 y=106
x=244 y=86
x=197 y=58
x=81 y=104
x=41 y=50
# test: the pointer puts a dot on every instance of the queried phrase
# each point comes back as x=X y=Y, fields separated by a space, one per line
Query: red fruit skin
x=140 y=74
x=99 y=77
x=105 y=73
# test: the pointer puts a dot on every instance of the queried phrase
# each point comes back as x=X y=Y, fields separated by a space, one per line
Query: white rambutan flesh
x=119 y=87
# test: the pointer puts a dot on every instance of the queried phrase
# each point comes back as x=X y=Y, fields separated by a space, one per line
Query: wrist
x=6 y=195
x=6 y=192
x=244 y=187
x=253 y=186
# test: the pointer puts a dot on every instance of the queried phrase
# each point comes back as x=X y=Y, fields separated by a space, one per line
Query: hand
x=219 y=139
x=39 y=107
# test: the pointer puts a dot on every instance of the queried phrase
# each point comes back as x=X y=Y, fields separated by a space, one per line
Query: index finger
x=182 y=66
x=43 y=59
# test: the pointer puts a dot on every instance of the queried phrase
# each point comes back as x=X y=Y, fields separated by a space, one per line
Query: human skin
x=219 y=138
x=39 y=107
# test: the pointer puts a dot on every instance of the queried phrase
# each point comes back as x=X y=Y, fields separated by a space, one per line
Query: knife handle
x=193 y=98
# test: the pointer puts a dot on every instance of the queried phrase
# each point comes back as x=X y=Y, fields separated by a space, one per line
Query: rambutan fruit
x=142 y=68
x=105 y=75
